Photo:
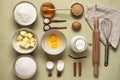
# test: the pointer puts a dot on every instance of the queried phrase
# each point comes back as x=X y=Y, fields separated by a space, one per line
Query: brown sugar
x=77 y=10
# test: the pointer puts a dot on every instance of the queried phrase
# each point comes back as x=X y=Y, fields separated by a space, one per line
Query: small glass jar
x=78 y=44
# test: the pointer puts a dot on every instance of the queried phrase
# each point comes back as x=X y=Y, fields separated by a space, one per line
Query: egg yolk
x=53 y=38
x=53 y=41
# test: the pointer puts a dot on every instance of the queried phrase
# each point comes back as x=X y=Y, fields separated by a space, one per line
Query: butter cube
x=25 y=39
x=22 y=44
x=27 y=46
x=18 y=43
x=29 y=35
x=23 y=33
x=33 y=39
x=32 y=44
x=19 y=38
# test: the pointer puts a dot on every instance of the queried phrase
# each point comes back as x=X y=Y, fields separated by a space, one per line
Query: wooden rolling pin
x=96 y=47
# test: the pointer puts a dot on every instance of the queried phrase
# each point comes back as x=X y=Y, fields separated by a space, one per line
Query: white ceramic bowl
x=25 y=67
x=17 y=47
x=50 y=51
x=25 y=13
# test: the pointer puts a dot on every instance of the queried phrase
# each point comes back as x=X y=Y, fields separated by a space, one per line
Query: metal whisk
x=106 y=27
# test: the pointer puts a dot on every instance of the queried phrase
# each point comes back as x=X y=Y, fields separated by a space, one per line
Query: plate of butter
x=24 y=41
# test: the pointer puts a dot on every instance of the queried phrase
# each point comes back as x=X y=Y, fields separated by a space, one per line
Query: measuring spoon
x=60 y=67
x=48 y=21
x=48 y=27
x=49 y=66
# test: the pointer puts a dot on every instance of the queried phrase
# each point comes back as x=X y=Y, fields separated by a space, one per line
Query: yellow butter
x=29 y=35
x=26 y=40
x=23 y=33
x=19 y=38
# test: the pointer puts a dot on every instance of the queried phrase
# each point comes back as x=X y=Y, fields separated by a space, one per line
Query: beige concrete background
x=8 y=55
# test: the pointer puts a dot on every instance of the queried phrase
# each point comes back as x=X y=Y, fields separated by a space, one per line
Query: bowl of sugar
x=25 y=13
x=25 y=67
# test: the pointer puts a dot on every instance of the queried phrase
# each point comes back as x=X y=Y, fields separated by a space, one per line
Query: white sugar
x=25 y=14
x=25 y=67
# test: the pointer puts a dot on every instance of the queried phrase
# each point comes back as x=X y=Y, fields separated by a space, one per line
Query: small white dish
x=17 y=47
x=25 y=67
x=79 y=44
x=49 y=50
x=60 y=65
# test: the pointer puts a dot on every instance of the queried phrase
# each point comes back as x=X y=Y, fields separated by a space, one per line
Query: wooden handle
x=59 y=74
x=55 y=9
x=49 y=74
x=96 y=46
x=96 y=24
x=58 y=20
x=96 y=71
x=96 y=43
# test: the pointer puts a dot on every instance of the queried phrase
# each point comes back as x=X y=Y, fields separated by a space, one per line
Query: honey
x=45 y=10
x=54 y=41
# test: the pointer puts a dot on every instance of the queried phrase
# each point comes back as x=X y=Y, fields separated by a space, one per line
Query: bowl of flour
x=25 y=13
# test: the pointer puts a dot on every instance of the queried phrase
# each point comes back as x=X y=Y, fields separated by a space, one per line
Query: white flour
x=25 y=14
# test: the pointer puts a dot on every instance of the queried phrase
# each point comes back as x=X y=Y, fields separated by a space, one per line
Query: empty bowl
x=53 y=42
x=22 y=43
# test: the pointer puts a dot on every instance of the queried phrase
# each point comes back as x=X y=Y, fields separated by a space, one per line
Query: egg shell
x=76 y=26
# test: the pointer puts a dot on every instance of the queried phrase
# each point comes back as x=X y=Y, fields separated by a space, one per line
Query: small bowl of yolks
x=53 y=42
